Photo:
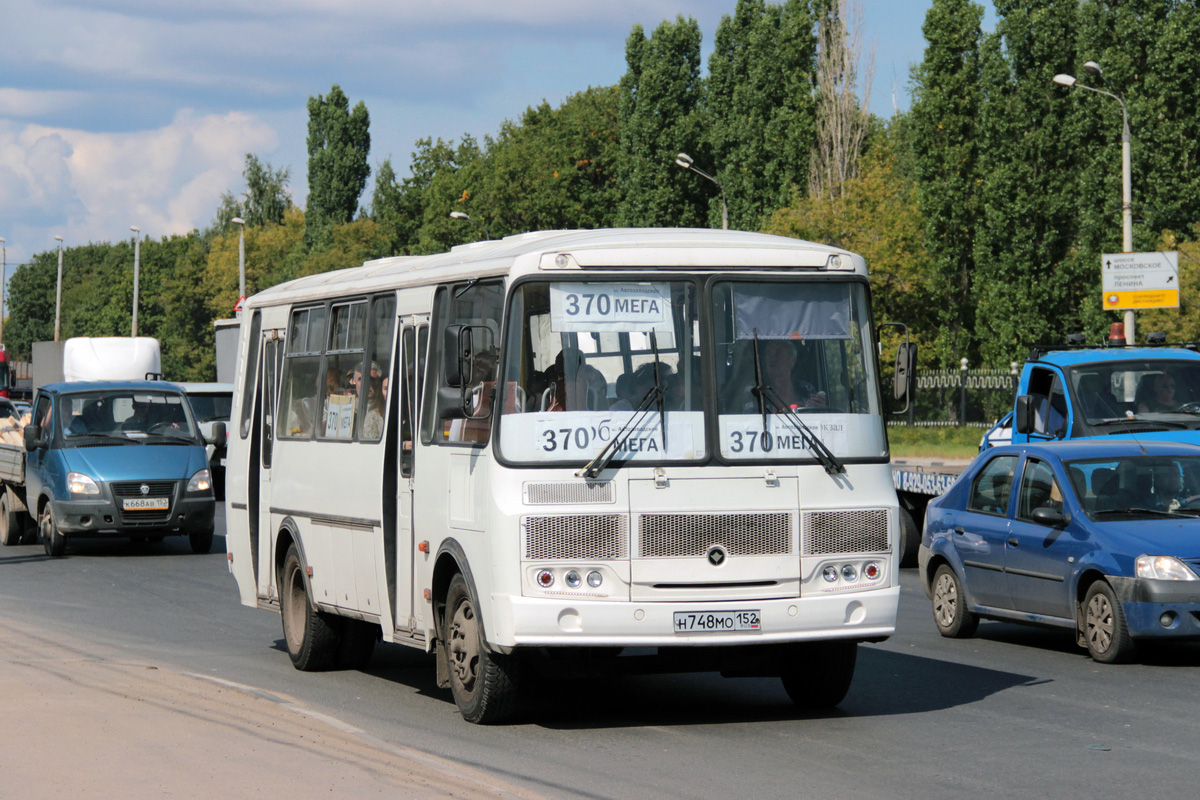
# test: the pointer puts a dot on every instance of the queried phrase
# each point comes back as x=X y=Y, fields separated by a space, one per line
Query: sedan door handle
x=1014 y=541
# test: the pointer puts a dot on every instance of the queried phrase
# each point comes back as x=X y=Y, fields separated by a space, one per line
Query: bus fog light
x=1167 y=619
x=830 y=574
x=871 y=571
x=573 y=579
x=594 y=579
x=545 y=579
x=849 y=572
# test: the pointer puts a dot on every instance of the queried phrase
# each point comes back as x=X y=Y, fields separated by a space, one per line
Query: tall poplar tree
x=759 y=99
x=943 y=128
x=660 y=96
x=339 y=141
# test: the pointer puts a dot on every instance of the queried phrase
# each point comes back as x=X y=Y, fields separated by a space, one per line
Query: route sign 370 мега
x=1140 y=280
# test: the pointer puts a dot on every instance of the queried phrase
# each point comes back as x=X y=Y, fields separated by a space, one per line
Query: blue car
x=1100 y=537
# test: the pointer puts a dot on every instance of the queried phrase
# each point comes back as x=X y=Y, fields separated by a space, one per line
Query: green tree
x=266 y=198
x=943 y=134
x=1027 y=288
x=759 y=99
x=876 y=215
x=339 y=142
x=660 y=96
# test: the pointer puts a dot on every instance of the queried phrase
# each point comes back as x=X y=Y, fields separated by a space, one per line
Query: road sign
x=1140 y=280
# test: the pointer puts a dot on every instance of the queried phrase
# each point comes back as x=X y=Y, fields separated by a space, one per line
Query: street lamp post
x=137 y=253
x=58 y=291
x=684 y=161
x=1126 y=173
x=241 y=223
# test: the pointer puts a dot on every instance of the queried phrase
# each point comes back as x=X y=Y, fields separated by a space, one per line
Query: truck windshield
x=805 y=345
x=125 y=414
x=1113 y=395
x=584 y=357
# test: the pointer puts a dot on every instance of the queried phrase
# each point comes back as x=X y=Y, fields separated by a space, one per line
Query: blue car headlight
x=200 y=482
x=1164 y=568
x=78 y=483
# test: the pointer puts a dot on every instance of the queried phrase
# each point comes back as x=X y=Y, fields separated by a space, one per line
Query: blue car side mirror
x=1050 y=516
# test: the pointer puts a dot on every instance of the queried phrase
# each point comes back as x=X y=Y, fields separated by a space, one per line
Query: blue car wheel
x=950 y=612
x=1105 y=632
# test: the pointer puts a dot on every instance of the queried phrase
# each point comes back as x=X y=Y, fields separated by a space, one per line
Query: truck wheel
x=11 y=526
x=818 y=675
x=311 y=636
x=484 y=684
x=201 y=541
x=52 y=539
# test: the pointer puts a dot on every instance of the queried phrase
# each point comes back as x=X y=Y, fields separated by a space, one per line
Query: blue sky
x=140 y=112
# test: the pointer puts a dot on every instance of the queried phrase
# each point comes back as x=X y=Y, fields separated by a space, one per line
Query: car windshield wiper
x=1154 y=424
x=654 y=395
x=1160 y=512
x=770 y=403
x=120 y=437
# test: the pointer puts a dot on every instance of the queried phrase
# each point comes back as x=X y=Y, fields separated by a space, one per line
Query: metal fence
x=960 y=397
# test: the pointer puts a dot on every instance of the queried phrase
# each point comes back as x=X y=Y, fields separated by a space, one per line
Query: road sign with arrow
x=1140 y=280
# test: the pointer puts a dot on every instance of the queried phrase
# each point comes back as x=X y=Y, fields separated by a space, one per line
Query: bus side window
x=302 y=405
x=479 y=306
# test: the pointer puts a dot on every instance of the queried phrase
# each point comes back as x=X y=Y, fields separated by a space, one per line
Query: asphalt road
x=1015 y=712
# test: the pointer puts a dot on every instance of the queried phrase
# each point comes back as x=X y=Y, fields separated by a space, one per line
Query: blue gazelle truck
x=108 y=458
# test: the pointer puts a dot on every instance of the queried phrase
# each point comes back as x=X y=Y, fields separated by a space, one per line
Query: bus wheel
x=52 y=539
x=312 y=639
x=484 y=684
x=201 y=541
x=818 y=675
x=10 y=523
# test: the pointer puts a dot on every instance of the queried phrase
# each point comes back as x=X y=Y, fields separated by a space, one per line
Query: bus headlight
x=830 y=573
x=78 y=483
x=200 y=482
x=573 y=580
x=545 y=578
x=594 y=579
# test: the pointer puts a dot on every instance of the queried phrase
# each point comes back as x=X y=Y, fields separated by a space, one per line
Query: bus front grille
x=564 y=492
x=860 y=531
x=691 y=535
x=598 y=537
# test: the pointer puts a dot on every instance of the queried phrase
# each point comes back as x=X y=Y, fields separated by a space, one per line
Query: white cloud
x=92 y=186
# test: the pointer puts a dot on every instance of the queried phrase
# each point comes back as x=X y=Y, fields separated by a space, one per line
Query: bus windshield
x=804 y=345
x=602 y=360
x=621 y=364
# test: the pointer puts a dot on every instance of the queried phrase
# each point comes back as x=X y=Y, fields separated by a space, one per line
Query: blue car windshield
x=1143 y=485
x=125 y=415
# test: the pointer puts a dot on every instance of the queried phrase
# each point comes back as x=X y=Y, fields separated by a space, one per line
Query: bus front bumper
x=549 y=622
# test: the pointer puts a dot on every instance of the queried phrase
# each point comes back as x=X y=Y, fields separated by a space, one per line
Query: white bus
x=618 y=446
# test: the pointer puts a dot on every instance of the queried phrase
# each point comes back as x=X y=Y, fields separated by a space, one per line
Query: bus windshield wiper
x=655 y=394
x=770 y=403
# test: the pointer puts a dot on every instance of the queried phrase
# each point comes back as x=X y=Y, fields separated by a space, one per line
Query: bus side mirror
x=217 y=437
x=456 y=355
x=906 y=370
x=1023 y=415
x=33 y=435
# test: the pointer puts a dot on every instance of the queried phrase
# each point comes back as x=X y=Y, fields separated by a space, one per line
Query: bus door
x=414 y=339
x=260 y=486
